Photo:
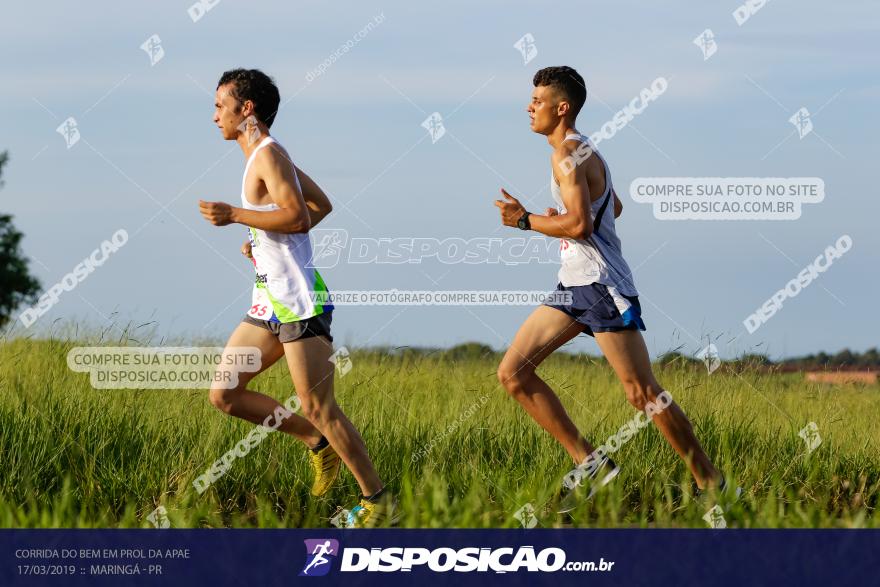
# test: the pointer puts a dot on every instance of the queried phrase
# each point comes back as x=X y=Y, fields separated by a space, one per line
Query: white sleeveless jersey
x=286 y=289
x=598 y=258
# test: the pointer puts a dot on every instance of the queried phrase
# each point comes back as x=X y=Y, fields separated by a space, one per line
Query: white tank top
x=598 y=258
x=286 y=289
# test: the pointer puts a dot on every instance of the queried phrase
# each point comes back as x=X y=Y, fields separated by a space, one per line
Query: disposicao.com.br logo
x=442 y=560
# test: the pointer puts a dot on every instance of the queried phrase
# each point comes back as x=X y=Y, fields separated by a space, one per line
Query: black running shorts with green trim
x=290 y=331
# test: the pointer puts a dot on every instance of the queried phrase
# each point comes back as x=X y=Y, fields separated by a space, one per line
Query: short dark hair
x=566 y=80
x=256 y=86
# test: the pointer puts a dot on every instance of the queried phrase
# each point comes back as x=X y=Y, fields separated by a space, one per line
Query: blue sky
x=149 y=151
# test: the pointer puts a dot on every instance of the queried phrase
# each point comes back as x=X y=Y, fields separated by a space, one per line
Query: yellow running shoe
x=373 y=514
x=325 y=463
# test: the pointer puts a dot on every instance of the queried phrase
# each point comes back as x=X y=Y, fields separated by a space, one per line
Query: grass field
x=73 y=456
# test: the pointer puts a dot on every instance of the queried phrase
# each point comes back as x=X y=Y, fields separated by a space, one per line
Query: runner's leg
x=308 y=360
x=252 y=405
x=544 y=331
x=628 y=356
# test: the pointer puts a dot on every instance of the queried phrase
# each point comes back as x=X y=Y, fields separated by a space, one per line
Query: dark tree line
x=17 y=286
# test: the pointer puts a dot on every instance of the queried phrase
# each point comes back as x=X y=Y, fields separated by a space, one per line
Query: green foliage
x=16 y=284
x=470 y=351
x=74 y=456
x=870 y=359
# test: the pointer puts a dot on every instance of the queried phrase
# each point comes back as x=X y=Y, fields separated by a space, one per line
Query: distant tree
x=870 y=358
x=843 y=358
x=672 y=357
x=469 y=350
x=16 y=284
x=755 y=359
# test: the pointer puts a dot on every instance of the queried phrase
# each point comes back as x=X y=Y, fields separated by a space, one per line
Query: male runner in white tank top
x=603 y=298
x=288 y=317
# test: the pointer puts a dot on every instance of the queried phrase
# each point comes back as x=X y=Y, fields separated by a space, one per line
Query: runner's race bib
x=261 y=307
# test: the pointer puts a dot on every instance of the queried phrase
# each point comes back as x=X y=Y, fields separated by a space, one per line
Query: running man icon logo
x=801 y=121
x=319 y=554
x=342 y=359
x=811 y=436
x=710 y=358
x=327 y=246
x=153 y=48
x=706 y=42
x=69 y=130
x=159 y=518
x=434 y=125
x=526 y=516
x=715 y=518
x=340 y=517
x=249 y=128
x=526 y=46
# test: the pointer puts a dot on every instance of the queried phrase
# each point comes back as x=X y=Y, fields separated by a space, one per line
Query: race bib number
x=261 y=307
x=567 y=249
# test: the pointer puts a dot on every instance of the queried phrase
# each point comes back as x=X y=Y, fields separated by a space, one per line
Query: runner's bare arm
x=316 y=200
x=575 y=223
x=276 y=172
x=618 y=205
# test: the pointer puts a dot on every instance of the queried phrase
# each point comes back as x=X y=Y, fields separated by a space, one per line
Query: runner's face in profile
x=227 y=112
x=542 y=110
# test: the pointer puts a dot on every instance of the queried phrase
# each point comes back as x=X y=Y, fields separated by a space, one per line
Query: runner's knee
x=222 y=399
x=319 y=413
x=639 y=393
x=513 y=376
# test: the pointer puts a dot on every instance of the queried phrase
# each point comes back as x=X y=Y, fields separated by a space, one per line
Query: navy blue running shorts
x=599 y=307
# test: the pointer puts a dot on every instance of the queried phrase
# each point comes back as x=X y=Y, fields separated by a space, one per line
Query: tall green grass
x=74 y=456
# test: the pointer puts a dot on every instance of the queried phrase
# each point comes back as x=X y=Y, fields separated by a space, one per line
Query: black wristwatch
x=523 y=222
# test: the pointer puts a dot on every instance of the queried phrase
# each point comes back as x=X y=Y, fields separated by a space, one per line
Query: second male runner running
x=603 y=298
